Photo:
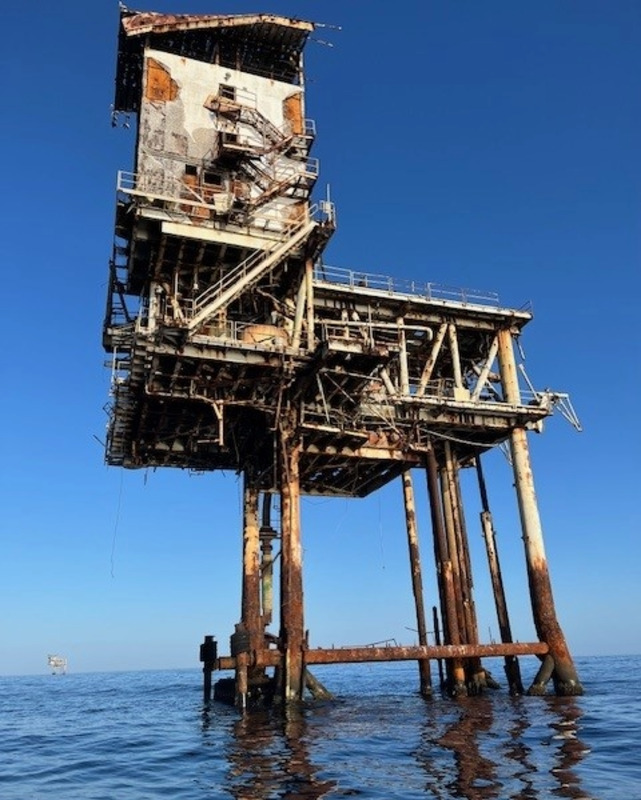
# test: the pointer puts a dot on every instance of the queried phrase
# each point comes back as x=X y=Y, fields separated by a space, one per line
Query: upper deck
x=259 y=44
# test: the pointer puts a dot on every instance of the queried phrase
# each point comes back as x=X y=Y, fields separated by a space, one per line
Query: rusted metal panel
x=293 y=112
x=159 y=85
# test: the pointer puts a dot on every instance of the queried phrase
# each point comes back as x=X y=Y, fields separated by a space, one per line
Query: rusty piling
x=266 y=535
x=417 y=579
x=437 y=642
x=512 y=669
x=447 y=590
x=292 y=633
x=564 y=675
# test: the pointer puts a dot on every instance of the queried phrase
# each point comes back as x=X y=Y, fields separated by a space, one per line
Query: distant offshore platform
x=57 y=664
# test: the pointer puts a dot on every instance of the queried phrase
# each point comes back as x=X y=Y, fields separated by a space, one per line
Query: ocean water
x=140 y=735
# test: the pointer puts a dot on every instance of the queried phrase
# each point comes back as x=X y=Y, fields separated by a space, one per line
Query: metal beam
x=351 y=655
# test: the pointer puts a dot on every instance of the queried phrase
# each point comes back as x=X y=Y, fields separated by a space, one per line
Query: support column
x=309 y=283
x=417 y=580
x=249 y=635
x=437 y=642
x=453 y=547
x=208 y=656
x=512 y=669
x=447 y=594
x=266 y=535
x=460 y=557
x=402 y=357
x=250 y=614
x=292 y=634
x=564 y=676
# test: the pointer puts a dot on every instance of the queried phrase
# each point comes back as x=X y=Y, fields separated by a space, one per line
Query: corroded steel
x=417 y=578
x=233 y=345
x=292 y=634
x=565 y=677
x=250 y=611
x=512 y=669
x=347 y=655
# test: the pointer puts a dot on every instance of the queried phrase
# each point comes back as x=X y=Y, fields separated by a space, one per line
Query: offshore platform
x=234 y=347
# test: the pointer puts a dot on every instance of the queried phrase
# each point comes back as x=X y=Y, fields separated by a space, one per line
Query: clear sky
x=491 y=144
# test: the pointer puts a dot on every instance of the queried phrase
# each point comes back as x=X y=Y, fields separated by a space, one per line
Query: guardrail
x=178 y=200
x=323 y=213
x=385 y=283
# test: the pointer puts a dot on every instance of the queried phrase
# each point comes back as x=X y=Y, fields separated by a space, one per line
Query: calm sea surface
x=129 y=736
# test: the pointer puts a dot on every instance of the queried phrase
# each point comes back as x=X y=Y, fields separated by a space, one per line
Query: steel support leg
x=417 y=580
x=564 y=675
x=292 y=634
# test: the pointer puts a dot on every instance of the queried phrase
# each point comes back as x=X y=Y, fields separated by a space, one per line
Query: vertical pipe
x=208 y=656
x=512 y=669
x=460 y=556
x=437 y=641
x=267 y=577
x=298 y=316
x=566 y=681
x=456 y=359
x=447 y=594
x=402 y=357
x=452 y=547
x=266 y=535
x=438 y=533
x=417 y=580
x=309 y=282
x=242 y=680
x=291 y=584
x=251 y=570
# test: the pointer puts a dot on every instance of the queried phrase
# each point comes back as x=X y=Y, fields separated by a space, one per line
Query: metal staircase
x=124 y=407
x=247 y=274
x=258 y=161
x=275 y=139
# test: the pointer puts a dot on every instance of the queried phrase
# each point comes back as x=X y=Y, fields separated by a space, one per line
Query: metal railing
x=240 y=271
x=180 y=201
x=357 y=279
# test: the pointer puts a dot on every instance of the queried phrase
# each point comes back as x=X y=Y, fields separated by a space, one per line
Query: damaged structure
x=234 y=347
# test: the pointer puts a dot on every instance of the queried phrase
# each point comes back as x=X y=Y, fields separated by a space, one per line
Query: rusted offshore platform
x=233 y=346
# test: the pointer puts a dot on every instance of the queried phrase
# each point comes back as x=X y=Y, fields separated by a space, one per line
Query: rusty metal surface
x=564 y=675
x=233 y=346
x=417 y=577
x=153 y=22
x=292 y=631
x=250 y=604
x=266 y=658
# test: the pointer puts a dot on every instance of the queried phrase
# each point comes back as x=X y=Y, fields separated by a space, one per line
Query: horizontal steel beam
x=352 y=655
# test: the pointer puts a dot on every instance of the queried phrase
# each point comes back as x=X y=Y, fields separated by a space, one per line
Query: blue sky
x=493 y=145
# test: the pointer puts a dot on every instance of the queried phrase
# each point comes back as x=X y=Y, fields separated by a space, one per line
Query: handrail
x=164 y=191
x=322 y=214
x=385 y=283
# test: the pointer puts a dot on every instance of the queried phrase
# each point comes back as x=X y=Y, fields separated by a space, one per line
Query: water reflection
x=475 y=775
x=565 y=715
x=502 y=747
x=546 y=746
x=268 y=756
x=478 y=748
